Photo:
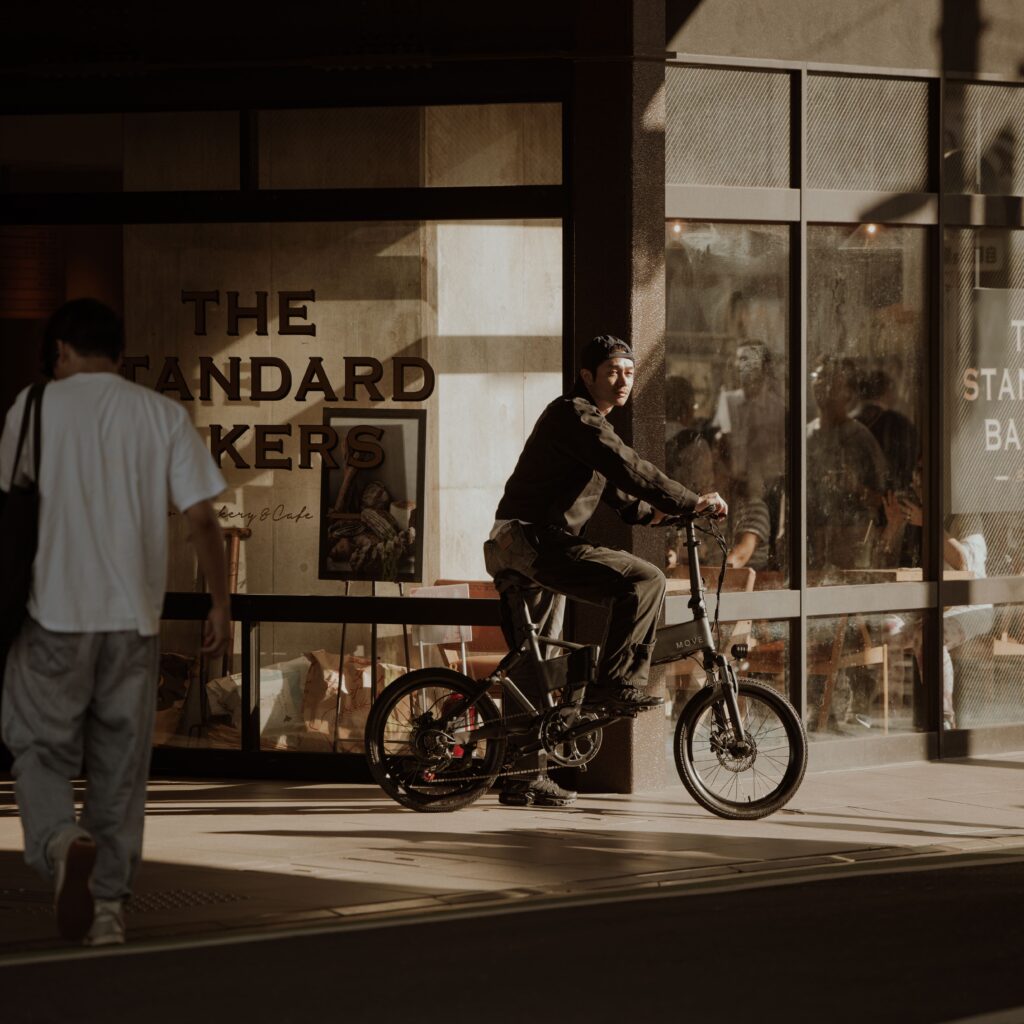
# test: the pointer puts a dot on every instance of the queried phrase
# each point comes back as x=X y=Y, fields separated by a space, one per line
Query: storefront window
x=867 y=330
x=727 y=296
x=864 y=675
x=984 y=316
x=440 y=340
x=429 y=349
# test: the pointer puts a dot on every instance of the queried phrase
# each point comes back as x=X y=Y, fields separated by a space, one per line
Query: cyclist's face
x=611 y=383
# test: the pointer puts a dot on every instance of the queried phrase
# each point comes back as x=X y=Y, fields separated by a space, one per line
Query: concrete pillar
x=617 y=174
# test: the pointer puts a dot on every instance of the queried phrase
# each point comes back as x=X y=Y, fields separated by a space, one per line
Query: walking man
x=81 y=676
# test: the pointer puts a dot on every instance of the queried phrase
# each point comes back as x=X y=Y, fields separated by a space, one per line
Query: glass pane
x=403 y=147
x=199 y=699
x=727 y=312
x=983 y=666
x=867 y=133
x=867 y=330
x=767 y=662
x=61 y=153
x=179 y=152
x=863 y=676
x=111 y=152
x=497 y=144
x=318 y=680
x=984 y=306
x=222 y=319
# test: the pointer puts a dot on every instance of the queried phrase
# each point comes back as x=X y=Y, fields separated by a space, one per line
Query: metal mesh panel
x=984 y=275
x=726 y=127
x=984 y=126
x=867 y=133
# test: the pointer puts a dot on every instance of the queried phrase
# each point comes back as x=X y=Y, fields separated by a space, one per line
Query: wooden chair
x=1006 y=647
x=869 y=654
x=486 y=646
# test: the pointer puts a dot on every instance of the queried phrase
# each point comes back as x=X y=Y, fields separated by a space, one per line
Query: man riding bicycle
x=573 y=460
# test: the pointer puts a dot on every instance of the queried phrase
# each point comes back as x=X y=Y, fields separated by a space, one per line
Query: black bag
x=19 y=531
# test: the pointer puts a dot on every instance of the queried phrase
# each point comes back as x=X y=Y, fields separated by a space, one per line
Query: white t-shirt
x=115 y=457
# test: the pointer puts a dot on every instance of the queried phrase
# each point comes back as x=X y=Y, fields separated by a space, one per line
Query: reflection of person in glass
x=964 y=551
x=846 y=473
x=687 y=452
x=754 y=418
x=895 y=434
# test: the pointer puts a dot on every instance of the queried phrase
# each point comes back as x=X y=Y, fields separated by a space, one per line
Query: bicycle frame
x=688 y=638
x=672 y=643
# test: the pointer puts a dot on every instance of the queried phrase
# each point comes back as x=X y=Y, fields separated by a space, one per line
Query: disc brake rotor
x=733 y=756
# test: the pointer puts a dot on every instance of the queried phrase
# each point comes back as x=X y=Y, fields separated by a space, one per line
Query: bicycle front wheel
x=741 y=780
x=421 y=743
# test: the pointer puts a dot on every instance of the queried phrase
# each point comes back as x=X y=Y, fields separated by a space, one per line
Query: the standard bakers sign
x=271 y=379
x=987 y=421
x=372 y=459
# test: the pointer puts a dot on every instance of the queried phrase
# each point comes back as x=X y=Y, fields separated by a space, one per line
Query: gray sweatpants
x=69 y=696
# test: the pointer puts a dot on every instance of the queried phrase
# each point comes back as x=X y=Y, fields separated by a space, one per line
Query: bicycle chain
x=508 y=770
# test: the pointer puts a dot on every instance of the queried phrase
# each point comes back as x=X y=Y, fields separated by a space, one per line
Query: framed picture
x=371 y=503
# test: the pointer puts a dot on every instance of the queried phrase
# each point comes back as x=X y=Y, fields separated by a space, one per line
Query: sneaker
x=107 y=925
x=629 y=697
x=542 y=791
x=72 y=854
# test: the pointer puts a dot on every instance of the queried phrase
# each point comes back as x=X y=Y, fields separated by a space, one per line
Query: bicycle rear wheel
x=734 y=780
x=420 y=741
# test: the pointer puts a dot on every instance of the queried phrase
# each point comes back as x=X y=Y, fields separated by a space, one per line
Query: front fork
x=728 y=685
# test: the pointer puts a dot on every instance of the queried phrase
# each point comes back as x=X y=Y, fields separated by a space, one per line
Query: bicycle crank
x=568 y=738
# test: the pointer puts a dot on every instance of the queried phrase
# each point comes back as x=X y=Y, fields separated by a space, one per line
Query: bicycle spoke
x=737 y=776
x=428 y=757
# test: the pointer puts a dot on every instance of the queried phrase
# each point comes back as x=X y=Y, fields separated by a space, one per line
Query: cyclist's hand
x=713 y=505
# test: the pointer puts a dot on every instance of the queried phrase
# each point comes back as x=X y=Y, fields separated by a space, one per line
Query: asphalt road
x=922 y=946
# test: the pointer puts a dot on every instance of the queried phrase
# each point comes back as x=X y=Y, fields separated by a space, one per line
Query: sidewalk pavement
x=232 y=858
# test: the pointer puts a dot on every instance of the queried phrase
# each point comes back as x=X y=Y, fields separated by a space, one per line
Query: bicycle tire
x=446 y=776
x=702 y=784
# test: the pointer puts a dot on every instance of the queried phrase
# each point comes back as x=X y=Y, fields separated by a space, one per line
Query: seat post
x=528 y=625
x=512 y=587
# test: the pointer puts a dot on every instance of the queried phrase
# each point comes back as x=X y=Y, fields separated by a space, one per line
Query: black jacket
x=572 y=460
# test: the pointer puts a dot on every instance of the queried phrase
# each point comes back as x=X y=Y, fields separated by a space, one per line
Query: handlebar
x=682 y=518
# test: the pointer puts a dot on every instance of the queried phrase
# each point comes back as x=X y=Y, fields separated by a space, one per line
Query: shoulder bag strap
x=34 y=400
x=37 y=433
